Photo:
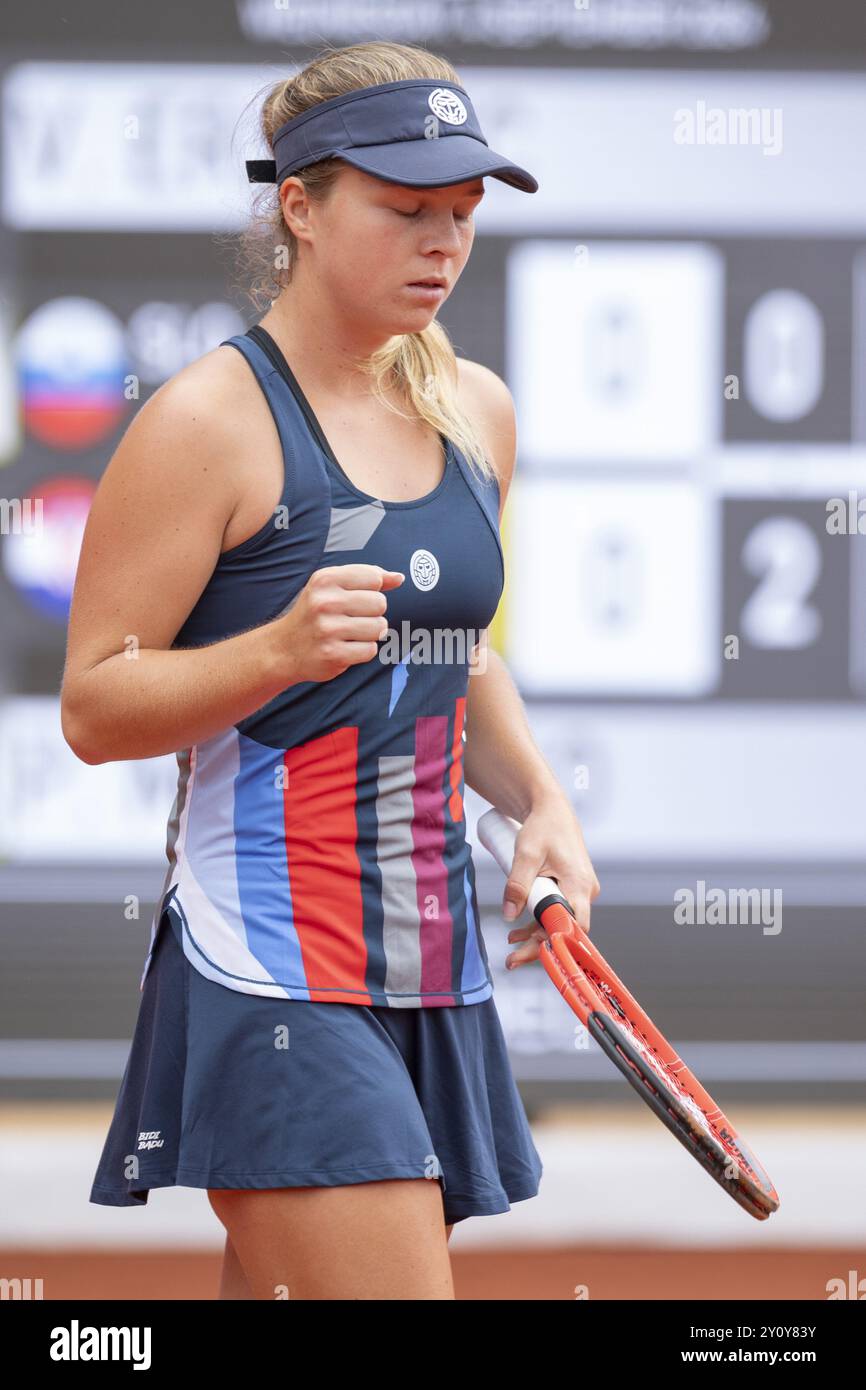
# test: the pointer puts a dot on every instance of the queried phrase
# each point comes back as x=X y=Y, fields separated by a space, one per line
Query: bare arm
x=156 y=701
x=151 y=543
x=502 y=761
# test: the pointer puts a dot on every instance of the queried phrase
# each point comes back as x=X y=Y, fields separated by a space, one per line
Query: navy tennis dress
x=316 y=1002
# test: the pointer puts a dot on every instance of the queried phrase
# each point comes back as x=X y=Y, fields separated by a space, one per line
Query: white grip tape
x=498 y=834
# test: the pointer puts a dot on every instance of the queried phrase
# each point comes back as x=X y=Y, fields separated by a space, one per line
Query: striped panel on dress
x=323 y=865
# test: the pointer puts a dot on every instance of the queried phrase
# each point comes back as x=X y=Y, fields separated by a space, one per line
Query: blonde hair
x=420 y=368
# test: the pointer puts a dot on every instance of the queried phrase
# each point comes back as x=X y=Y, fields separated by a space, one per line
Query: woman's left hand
x=549 y=843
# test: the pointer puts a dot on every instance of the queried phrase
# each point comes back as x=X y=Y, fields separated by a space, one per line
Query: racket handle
x=498 y=833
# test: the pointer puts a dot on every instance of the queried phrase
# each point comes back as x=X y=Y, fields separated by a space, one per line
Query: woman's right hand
x=336 y=621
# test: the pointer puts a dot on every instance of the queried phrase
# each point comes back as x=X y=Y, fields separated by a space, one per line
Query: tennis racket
x=630 y=1039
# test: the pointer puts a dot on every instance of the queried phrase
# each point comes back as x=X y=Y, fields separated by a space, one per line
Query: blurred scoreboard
x=682 y=322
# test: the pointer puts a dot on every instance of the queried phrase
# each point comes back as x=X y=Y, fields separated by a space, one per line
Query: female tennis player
x=287 y=574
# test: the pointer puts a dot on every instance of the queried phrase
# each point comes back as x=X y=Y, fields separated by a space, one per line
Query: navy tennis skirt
x=230 y=1090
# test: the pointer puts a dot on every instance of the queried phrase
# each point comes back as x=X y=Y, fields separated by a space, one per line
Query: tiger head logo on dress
x=424 y=569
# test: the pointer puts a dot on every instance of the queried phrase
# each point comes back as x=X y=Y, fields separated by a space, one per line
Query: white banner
x=55 y=807
x=149 y=146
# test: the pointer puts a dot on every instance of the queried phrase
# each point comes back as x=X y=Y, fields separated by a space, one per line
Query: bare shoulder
x=160 y=511
x=187 y=436
x=205 y=395
x=487 y=400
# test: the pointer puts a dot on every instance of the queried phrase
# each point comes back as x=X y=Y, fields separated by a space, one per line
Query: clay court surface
x=500 y=1274
x=623 y=1213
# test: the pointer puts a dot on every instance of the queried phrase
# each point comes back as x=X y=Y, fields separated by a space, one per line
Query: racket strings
x=669 y=1080
x=648 y=1049
x=664 y=1078
x=704 y=1143
x=707 y=1128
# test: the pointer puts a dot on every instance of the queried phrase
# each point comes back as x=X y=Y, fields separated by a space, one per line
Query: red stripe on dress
x=428 y=860
x=455 y=801
x=324 y=870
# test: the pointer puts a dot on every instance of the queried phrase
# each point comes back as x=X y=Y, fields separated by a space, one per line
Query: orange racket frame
x=627 y=1035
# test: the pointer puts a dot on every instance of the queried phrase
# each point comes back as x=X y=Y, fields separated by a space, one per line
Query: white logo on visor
x=424 y=569
x=447 y=106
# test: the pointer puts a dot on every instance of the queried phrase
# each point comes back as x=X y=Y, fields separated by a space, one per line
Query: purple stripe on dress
x=428 y=828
